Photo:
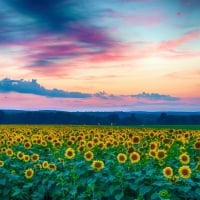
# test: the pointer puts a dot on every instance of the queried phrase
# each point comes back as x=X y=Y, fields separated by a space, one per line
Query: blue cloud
x=104 y=95
x=32 y=87
x=155 y=96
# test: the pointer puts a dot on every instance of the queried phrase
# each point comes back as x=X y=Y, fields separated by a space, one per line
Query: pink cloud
x=34 y=102
x=181 y=54
x=170 y=44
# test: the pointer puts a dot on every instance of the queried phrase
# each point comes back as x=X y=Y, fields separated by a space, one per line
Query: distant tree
x=2 y=116
x=162 y=118
x=113 y=119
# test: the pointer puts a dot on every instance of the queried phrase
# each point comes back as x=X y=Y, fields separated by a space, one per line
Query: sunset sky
x=100 y=55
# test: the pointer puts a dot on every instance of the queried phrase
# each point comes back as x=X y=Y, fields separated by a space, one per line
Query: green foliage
x=75 y=179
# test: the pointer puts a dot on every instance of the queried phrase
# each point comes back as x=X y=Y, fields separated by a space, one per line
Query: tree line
x=98 y=118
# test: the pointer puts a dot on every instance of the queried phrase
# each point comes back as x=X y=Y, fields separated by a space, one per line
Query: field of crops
x=84 y=162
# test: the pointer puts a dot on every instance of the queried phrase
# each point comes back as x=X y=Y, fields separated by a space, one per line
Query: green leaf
x=16 y=191
x=145 y=189
x=112 y=189
x=197 y=191
x=155 y=195
x=3 y=181
x=158 y=183
x=110 y=178
x=37 y=196
x=119 y=196
x=133 y=187
x=150 y=172
x=73 y=191
x=6 y=191
x=139 y=173
x=185 y=189
x=28 y=185
x=91 y=181
x=50 y=183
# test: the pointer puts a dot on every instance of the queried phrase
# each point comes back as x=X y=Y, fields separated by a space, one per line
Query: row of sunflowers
x=88 y=162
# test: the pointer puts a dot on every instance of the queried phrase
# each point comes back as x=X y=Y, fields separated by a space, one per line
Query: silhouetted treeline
x=98 y=118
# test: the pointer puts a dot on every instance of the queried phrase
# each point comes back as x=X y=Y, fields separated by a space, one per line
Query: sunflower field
x=96 y=162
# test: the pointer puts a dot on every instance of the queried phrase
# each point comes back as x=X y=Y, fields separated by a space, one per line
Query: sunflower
x=161 y=162
x=197 y=145
x=168 y=172
x=174 y=179
x=184 y=158
x=134 y=157
x=27 y=145
x=164 y=194
x=20 y=155
x=34 y=141
x=49 y=138
x=57 y=144
x=166 y=147
x=121 y=157
x=165 y=141
x=101 y=145
x=153 y=145
x=38 y=166
x=80 y=148
x=1 y=163
x=44 y=143
x=88 y=155
x=9 y=152
x=82 y=142
x=115 y=143
x=131 y=149
x=2 y=142
x=45 y=164
x=39 y=141
x=69 y=153
x=108 y=144
x=152 y=134
x=35 y=157
x=18 y=139
x=29 y=173
x=90 y=144
x=26 y=158
x=136 y=139
x=61 y=160
x=96 y=140
x=97 y=165
x=185 y=171
x=152 y=153
x=70 y=142
x=52 y=167
x=160 y=154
